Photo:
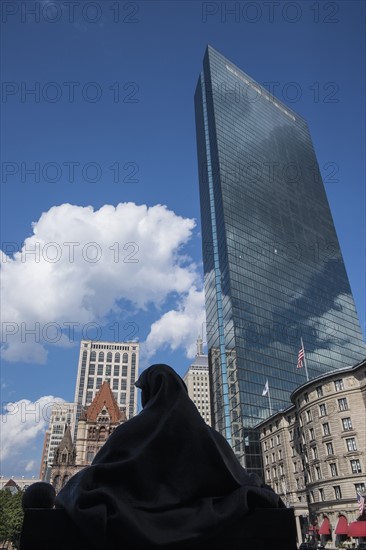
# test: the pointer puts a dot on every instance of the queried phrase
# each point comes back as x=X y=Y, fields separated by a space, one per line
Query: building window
x=338 y=385
x=271 y=443
x=281 y=470
x=333 y=469
x=278 y=440
x=355 y=466
x=318 y=472
x=89 y=456
x=280 y=454
x=100 y=370
x=308 y=416
x=351 y=444
x=265 y=445
x=330 y=450
x=321 y=495
x=322 y=409
x=306 y=397
x=337 y=492
x=347 y=423
x=319 y=391
x=342 y=404
x=311 y=434
x=273 y=457
x=267 y=460
x=326 y=429
x=314 y=450
x=360 y=488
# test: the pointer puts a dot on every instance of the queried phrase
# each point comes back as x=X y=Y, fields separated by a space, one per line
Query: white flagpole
x=305 y=365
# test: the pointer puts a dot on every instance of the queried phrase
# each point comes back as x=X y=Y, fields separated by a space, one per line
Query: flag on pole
x=361 y=503
x=265 y=389
x=300 y=358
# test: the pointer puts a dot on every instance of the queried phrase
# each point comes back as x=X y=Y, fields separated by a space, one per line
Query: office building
x=198 y=384
x=273 y=269
x=113 y=362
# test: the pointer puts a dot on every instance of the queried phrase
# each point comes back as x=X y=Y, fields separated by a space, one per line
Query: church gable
x=104 y=407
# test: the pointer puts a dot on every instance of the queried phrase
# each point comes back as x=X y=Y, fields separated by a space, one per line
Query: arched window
x=117 y=358
x=93 y=356
x=89 y=456
x=56 y=481
x=64 y=457
x=109 y=357
x=101 y=356
x=125 y=358
x=102 y=433
x=65 y=479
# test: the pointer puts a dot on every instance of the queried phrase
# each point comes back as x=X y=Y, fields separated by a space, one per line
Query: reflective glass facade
x=272 y=264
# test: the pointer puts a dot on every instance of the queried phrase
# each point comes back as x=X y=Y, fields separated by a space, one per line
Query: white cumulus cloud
x=180 y=327
x=22 y=422
x=81 y=264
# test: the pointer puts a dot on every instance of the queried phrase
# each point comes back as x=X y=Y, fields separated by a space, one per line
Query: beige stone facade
x=314 y=451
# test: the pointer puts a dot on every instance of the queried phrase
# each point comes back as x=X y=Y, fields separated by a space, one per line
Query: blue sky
x=111 y=121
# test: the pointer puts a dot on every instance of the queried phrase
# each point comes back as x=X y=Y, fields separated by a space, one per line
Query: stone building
x=314 y=451
x=95 y=425
x=64 y=461
x=62 y=415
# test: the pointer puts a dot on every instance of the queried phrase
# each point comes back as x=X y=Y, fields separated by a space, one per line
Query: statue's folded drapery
x=164 y=478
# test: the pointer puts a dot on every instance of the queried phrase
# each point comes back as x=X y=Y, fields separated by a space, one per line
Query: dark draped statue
x=164 y=478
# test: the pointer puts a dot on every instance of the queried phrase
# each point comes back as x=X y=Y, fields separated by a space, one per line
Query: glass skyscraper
x=273 y=269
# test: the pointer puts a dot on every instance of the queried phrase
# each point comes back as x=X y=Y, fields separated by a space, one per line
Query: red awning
x=342 y=526
x=325 y=527
x=357 y=529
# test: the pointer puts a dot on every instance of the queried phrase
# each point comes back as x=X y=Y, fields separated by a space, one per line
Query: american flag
x=300 y=358
x=361 y=502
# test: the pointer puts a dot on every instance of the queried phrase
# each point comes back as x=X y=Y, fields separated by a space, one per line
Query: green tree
x=11 y=516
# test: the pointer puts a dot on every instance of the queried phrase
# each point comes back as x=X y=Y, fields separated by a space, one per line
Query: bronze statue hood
x=164 y=478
